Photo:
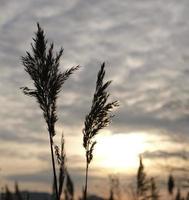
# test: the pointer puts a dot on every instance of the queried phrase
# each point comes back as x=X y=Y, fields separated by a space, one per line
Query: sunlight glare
x=120 y=152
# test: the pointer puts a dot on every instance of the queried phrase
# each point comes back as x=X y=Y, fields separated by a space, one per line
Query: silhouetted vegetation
x=142 y=182
x=115 y=188
x=171 y=184
x=98 y=118
x=17 y=192
x=154 y=191
x=69 y=190
x=147 y=187
x=43 y=67
x=8 y=195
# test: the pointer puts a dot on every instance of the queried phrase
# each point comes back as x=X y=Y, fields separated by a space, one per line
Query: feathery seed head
x=100 y=114
x=43 y=67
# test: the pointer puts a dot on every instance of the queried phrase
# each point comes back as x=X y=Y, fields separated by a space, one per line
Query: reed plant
x=142 y=182
x=98 y=118
x=61 y=160
x=42 y=65
x=69 y=190
x=154 y=190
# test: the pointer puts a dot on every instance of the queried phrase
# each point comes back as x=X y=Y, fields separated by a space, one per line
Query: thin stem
x=86 y=180
x=53 y=165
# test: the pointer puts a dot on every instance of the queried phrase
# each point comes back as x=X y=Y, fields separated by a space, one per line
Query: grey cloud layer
x=145 y=44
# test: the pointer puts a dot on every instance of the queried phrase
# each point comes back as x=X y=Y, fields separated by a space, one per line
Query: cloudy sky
x=145 y=45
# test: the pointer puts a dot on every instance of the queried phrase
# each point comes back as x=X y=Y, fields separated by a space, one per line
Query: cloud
x=44 y=176
x=164 y=154
x=144 y=44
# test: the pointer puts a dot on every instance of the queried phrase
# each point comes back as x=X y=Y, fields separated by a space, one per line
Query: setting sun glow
x=120 y=152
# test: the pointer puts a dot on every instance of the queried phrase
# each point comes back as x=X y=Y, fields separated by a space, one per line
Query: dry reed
x=43 y=67
x=98 y=118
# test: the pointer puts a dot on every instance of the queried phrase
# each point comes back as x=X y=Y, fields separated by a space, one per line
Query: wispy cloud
x=145 y=45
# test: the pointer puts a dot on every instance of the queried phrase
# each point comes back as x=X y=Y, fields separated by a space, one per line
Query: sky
x=145 y=45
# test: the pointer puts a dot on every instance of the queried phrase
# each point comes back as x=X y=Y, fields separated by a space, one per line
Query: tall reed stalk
x=43 y=67
x=98 y=118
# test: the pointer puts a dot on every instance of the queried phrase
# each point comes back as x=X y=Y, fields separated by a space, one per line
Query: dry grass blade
x=154 y=191
x=143 y=183
x=69 y=191
x=99 y=117
x=43 y=67
x=17 y=192
x=62 y=169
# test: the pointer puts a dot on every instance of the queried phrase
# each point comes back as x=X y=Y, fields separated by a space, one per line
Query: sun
x=120 y=152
